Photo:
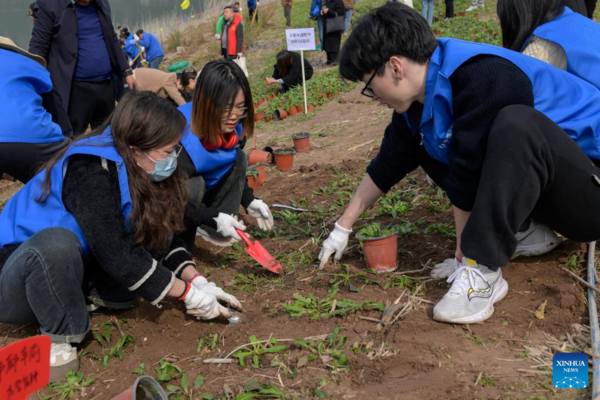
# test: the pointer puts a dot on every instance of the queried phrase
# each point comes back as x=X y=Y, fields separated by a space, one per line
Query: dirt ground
x=414 y=358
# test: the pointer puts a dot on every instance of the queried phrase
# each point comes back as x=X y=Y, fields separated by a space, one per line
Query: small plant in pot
x=380 y=247
x=252 y=177
x=301 y=141
x=284 y=158
x=262 y=174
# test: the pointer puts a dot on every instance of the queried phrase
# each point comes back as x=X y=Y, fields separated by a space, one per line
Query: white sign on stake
x=300 y=39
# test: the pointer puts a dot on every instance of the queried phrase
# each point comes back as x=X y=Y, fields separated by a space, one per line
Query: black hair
x=519 y=18
x=226 y=7
x=284 y=62
x=187 y=76
x=139 y=31
x=125 y=30
x=393 y=29
x=32 y=8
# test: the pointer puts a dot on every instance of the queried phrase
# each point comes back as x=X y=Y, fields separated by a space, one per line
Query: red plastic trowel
x=260 y=254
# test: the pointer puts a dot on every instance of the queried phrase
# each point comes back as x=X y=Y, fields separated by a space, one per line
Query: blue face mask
x=164 y=168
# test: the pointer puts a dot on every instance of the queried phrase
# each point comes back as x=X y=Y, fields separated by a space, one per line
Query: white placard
x=300 y=39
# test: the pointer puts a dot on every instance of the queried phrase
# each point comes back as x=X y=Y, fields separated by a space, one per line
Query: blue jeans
x=42 y=281
x=427 y=10
x=154 y=64
x=320 y=28
x=348 y=19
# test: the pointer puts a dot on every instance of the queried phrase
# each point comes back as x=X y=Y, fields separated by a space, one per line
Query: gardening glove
x=259 y=210
x=226 y=225
x=202 y=284
x=217 y=36
x=335 y=243
x=202 y=305
x=445 y=268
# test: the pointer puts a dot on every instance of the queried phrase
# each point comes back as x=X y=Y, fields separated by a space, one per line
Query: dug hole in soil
x=419 y=358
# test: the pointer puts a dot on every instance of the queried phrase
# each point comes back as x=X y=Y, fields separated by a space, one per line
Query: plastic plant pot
x=144 y=388
x=252 y=178
x=262 y=174
x=280 y=115
x=258 y=156
x=301 y=142
x=259 y=116
x=293 y=111
x=268 y=118
x=270 y=150
x=381 y=253
x=300 y=109
x=311 y=107
x=284 y=158
x=329 y=95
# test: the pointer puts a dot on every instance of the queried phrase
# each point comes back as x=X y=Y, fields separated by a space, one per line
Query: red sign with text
x=24 y=367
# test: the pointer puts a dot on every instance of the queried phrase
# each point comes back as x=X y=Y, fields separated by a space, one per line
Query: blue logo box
x=570 y=370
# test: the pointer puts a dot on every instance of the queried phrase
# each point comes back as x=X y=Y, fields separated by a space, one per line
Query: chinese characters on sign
x=300 y=39
x=24 y=367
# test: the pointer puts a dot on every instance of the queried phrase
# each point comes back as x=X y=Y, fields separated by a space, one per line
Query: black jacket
x=54 y=37
x=294 y=75
x=332 y=41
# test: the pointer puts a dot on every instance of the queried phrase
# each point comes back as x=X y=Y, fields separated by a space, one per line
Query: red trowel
x=262 y=256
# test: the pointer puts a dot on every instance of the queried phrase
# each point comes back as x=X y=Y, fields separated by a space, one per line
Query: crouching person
x=508 y=137
x=220 y=119
x=110 y=205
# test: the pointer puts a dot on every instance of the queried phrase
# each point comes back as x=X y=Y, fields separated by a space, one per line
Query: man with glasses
x=508 y=137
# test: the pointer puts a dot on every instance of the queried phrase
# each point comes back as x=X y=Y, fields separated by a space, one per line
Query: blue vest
x=580 y=38
x=152 y=45
x=131 y=49
x=23 y=216
x=570 y=102
x=22 y=117
x=212 y=165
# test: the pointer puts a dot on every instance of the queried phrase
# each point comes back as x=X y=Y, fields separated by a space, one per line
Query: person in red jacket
x=232 y=36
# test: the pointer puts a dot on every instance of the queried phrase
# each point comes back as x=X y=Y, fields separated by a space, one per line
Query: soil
x=431 y=359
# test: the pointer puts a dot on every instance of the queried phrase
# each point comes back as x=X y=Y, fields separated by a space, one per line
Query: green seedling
x=207 y=343
x=401 y=282
x=140 y=370
x=184 y=391
x=75 y=382
x=486 y=380
x=344 y=279
x=323 y=308
x=392 y=206
x=104 y=337
x=331 y=351
x=167 y=371
x=252 y=282
x=257 y=350
x=255 y=390
x=574 y=262
x=234 y=254
x=445 y=229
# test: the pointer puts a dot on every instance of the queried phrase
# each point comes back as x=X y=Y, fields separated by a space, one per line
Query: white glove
x=226 y=225
x=132 y=42
x=217 y=36
x=203 y=305
x=259 y=210
x=240 y=55
x=445 y=268
x=335 y=243
x=202 y=284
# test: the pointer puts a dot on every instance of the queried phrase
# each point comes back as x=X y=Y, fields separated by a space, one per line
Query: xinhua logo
x=570 y=370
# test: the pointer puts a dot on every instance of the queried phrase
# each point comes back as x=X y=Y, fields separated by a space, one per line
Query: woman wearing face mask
x=220 y=118
x=110 y=204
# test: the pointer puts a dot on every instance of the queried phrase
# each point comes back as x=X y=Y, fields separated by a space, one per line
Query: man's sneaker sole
x=487 y=312
x=58 y=372
x=537 y=249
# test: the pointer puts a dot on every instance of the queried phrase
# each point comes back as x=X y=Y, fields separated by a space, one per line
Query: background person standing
x=84 y=58
x=349 y=5
x=287 y=11
x=232 y=35
x=154 y=51
x=332 y=39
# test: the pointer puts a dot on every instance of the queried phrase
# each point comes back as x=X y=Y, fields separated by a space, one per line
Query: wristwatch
x=127 y=72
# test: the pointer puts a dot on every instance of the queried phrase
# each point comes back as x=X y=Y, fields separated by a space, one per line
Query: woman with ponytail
x=98 y=226
x=220 y=120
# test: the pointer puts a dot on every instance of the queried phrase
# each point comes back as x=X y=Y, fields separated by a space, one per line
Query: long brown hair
x=144 y=121
x=284 y=62
x=216 y=88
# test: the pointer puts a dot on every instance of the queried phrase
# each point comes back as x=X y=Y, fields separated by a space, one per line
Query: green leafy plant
x=167 y=371
x=317 y=308
x=344 y=279
x=103 y=336
x=207 y=343
x=184 y=390
x=75 y=382
x=257 y=350
x=401 y=282
x=375 y=230
x=445 y=229
x=140 y=370
x=255 y=390
x=331 y=351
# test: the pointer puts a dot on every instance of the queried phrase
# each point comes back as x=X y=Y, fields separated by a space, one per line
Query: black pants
x=22 y=160
x=252 y=12
x=287 y=13
x=91 y=103
x=532 y=169
x=449 y=8
x=591 y=7
x=332 y=57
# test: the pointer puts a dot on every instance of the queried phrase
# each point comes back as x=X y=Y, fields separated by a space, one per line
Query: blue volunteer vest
x=23 y=216
x=212 y=165
x=580 y=38
x=570 y=102
x=23 y=119
x=131 y=49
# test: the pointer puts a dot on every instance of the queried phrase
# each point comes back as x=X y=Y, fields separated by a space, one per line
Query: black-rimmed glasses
x=367 y=91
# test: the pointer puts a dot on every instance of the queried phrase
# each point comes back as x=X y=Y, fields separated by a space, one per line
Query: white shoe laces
x=459 y=284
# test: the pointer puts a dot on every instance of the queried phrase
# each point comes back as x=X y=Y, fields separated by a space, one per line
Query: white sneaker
x=535 y=241
x=474 y=7
x=63 y=358
x=471 y=298
x=216 y=240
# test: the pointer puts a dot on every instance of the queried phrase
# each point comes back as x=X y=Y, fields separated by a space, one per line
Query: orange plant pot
x=262 y=175
x=301 y=142
x=252 y=182
x=261 y=102
x=268 y=118
x=284 y=162
x=300 y=109
x=258 y=156
x=381 y=254
x=293 y=111
x=280 y=115
x=311 y=107
x=259 y=116
x=329 y=95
